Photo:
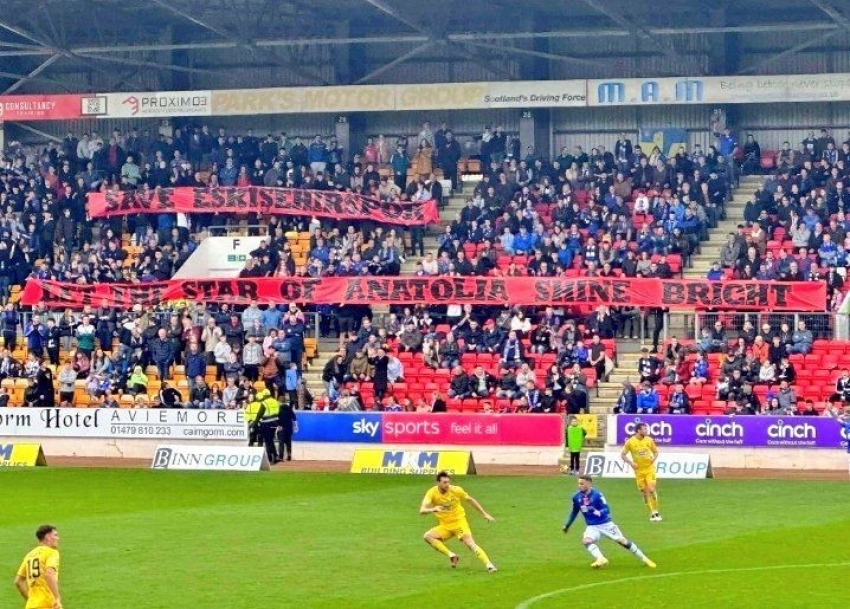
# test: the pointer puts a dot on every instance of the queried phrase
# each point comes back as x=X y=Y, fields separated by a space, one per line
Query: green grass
x=161 y=540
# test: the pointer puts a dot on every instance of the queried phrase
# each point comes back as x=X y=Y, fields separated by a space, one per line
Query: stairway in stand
x=327 y=346
x=447 y=215
x=710 y=250
x=628 y=354
x=313 y=373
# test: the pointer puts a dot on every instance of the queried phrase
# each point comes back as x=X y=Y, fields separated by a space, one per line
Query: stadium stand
x=621 y=213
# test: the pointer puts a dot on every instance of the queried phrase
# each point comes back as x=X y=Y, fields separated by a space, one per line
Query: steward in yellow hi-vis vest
x=253 y=413
x=269 y=409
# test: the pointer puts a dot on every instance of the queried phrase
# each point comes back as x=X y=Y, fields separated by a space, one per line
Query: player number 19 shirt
x=33 y=569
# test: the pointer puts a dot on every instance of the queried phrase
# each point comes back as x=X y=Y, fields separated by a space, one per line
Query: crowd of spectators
x=218 y=355
x=628 y=211
x=738 y=368
x=600 y=213
x=49 y=235
x=795 y=226
x=496 y=359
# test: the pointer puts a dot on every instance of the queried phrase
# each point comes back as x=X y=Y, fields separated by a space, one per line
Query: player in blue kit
x=597 y=515
x=843 y=420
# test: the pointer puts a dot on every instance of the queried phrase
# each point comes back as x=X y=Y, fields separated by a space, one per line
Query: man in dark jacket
x=627 y=401
x=169 y=397
x=679 y=402
x=292 y=335
x=44 y=382
x=287 y=425
x=448 y=156
x=162 y=353
x=196 y=364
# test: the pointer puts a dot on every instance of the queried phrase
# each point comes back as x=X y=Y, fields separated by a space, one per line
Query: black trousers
x=284 y=439
x=11 y=340
x=252 y=372
x=575 y=464
x=267 y=430
x=255 y=437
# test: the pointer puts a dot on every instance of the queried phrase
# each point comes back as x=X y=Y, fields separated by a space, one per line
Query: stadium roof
x=81 y=45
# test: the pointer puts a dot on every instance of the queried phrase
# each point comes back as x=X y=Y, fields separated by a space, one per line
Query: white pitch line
x=529 y=602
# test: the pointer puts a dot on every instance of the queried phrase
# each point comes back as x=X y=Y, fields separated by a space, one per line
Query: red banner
x=668 y=293
x=40 y=107
x=258 y=200
x=472 y=429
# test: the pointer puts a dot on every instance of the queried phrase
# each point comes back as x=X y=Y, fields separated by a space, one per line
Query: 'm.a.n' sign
x=649 y=91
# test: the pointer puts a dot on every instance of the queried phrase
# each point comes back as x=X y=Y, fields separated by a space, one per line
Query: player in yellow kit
x=640 y=452
x=38 y=578
x=445 y=501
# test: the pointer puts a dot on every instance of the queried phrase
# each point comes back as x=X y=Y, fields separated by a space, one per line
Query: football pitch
x=142 y=540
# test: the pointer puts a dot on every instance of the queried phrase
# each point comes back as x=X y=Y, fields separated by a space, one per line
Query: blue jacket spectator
x=715 y=273
x=318 y=152
x=647 y=400
x=271 y=317
x=196 y=364
x=227 y=175
x=727 y=143
x=523 y=243
x=36 y=335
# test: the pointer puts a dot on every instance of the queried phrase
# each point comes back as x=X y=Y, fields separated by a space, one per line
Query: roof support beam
x=41 y=68
x=387 y=9
x=17 y=31
x=38 y=132
x=430 y=35
x=831 y=12
x=50 y=81
x=468 y=54
x=788 y=52
x=397 y=61
x=191 y=18
x=18 y=45
x=230 y=38
x=146 y=64
x=634 y=29
x=531 y=53
x=47 y=48
x=812 y=27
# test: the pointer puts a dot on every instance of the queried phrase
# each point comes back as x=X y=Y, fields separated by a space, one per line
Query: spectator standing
x=67 y=379
x=291 y=380
x=627 y=400
x=287 y=426
x=575 y=442
x=85 y=336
